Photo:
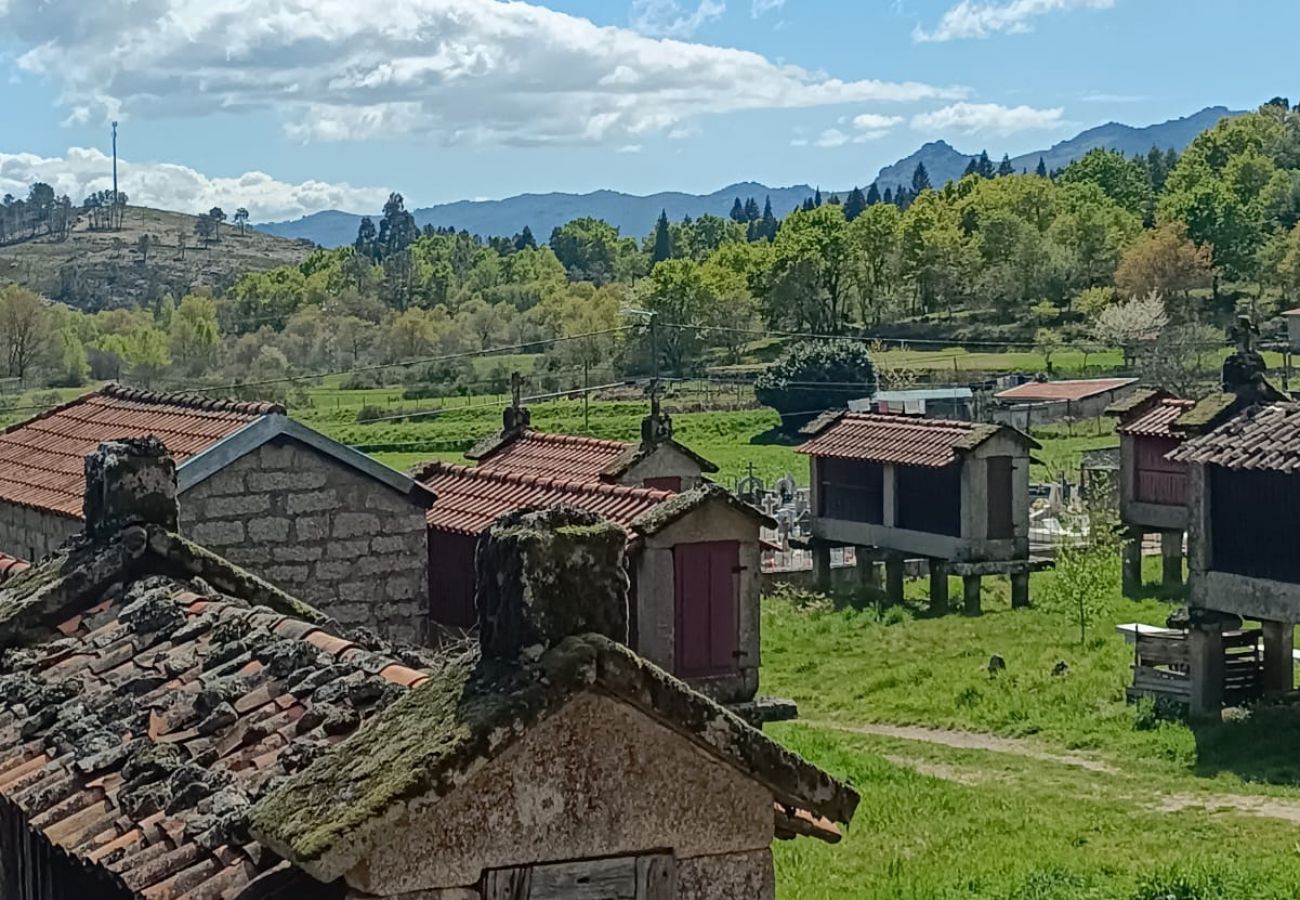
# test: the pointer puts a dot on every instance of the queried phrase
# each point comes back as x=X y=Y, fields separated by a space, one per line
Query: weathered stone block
x=341 y=550
x=357 y=591
x=351 y=613
x=393 y=543
x=231 y=507
x=218 y=533
x=388 y=501
x=311 y=528
x=350 y=524
x=405 y=524
x=269 y=530
x=309 y=480
x=335 y=570
x=279 y=456
x=314 y=501
x=288 y=574
x=129 y=482
x=296 y=553
x=380 y=565
x=402 y=587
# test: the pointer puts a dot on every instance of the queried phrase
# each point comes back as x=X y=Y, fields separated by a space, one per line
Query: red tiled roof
x=42 y=460
x=471 y=499
x=1263 y=438
x=900 y=440
x=1047 y=391
x=1156 y=421
x=566 y=456
x=11 y=566
x=138 y=741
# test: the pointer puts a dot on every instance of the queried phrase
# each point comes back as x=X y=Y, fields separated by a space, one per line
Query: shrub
x=814 y=376
x=371 y=413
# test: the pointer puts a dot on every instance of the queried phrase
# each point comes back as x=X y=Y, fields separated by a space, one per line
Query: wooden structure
x=1042 y=402
x=956 y=493
x=1152 y=488
x=1162 y=665
x=180 y=728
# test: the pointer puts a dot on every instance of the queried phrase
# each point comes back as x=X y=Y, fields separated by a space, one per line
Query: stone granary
x=1152 y=488
x=172 y=726
x=894 y=487
x=303 y=511
x=657 y=461
x=695 y=563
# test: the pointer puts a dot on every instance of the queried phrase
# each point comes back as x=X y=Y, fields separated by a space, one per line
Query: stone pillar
x=1171 y=553
x=939 y=586
x=1132 y=564
x=130 y=482
x=1020 y=590
x=1205 y=667
x=1279 y=659
x=545 y=575
x=894 y=578
x=971 y=585
x=868 y=571
x=821 y=554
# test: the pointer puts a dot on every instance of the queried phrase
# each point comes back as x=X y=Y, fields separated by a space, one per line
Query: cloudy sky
x=292 y=106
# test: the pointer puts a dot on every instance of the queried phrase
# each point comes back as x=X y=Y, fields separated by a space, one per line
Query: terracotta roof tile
x=11 y=566
x=470 y=500
x=1264 y=438
x=566 y=456
x=82 y=774
x=1048 y=391
x=42 y=460
x=897 y=440
x=1156 y=420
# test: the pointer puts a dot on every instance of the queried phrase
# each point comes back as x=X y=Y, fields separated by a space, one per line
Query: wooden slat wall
x=626 y=878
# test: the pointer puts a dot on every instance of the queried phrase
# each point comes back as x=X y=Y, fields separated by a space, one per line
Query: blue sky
x=288 y=106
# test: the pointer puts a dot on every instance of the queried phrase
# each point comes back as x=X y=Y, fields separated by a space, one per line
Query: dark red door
x=707 y=597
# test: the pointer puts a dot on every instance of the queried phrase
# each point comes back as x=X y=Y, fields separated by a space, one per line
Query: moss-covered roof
x=656 y=519
x=1207 y=411
x=1135 y=401
x=329 y=817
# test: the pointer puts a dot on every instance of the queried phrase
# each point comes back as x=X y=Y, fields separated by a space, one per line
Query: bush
x=814 y=376
x=371 y=413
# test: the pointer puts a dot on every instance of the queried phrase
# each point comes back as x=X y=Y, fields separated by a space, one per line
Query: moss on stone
x=659 y=517
x=1207 y=411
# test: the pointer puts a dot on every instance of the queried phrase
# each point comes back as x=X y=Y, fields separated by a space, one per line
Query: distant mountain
x=944 y=163
x=632 y=215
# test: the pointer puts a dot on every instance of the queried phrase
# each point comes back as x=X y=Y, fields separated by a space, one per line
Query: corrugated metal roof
x=137 y=741
x=470 y=499
x=567 y=456
x=899 y=440
x=1156 y=420
x=1264 y=438
x=42 y=460
x=1046 y=391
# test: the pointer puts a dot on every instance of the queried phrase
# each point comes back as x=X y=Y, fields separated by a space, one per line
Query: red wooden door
x=707 y=598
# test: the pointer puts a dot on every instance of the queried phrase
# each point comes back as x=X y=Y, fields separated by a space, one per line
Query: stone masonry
x=33 y=533
x=352 y=547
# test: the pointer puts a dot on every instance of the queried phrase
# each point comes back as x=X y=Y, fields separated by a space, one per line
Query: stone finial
x=1245 y=369
x=516 y=417
x=130 y=482
x=657 y=427
x=545 y=575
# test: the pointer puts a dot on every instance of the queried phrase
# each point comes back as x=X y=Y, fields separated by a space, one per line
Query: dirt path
x=1155 y=800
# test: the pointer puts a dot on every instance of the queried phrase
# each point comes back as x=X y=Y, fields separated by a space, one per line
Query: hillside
x=95 y=270
x=633 y=215
x=945 y=163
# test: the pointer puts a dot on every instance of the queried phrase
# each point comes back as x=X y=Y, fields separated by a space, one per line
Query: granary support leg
x=868 y=571
x=939 y=586
x=971 y=585
x=1171 y=552
x=1205 y=668
x=1132 y=564
x=894 y=578
x=1020 y=590
x=821 y=555
x=1279 y=660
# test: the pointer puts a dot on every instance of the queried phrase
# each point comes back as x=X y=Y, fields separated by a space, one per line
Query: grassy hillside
x=103 y=269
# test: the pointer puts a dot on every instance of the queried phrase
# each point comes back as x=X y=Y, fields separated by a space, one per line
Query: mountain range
x=636 y=215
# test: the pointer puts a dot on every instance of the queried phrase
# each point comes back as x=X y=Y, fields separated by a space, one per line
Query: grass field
x=1039 y=786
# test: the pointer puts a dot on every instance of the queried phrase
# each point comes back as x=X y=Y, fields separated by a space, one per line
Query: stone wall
x=349 y=545
x=32 y=534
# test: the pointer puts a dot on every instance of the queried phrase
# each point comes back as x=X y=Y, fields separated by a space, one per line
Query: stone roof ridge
x=661 y=516
x=504 y=476
x=191 y=401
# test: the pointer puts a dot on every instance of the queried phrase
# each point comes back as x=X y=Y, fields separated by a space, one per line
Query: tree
x=679 y=294
x=855 y=205
x=811 y=271
x=920 y=179
x=366 y=242
x=204 y=229
x=525 y=240
x=873 y=194
x=142 y=246
x=752 y=212
x=889 y=196
x=875 y=239
x=1131 y=324
x=25 y=330
x=1041 y=171
x=1005 y=168
x=193 y=335
x=217 y=215
x=738 y=212
x=817 y=198
x=983 y=166
x=1085 y=575
x=397 y=228
x=972 y=168
x=1047 y=341
x=662 y=245
x=813 y=376
x=1124 y=180
x=1165 y=261
x=241 y=219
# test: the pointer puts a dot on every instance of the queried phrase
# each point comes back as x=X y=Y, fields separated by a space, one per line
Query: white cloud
x=455 y=71
x=971 y=19
x=970 y=118
x=831 y=137
x=876 y=122
x=856 y=130
x=666 y=18
x=167 y=186
x=761 y=8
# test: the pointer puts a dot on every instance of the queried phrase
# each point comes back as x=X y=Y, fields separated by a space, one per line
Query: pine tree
x=984 y=165
x=752 y=213
x=889 y=196
x=808 y=205
x=855 y=205
x=738 y=211
x=768 y=226
x=920 y=180
x=1041 y=171
x=663 y=242
x=903 y=197
x=817 y=198
x=1005 y=167
x=873 y=194
x=365 y=242
x=971 y=168
x=525 y=240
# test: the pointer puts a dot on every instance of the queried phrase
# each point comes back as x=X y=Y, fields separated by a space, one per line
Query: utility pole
x=115 y=194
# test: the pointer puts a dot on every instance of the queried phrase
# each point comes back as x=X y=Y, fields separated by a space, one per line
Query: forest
x=1152 y=255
